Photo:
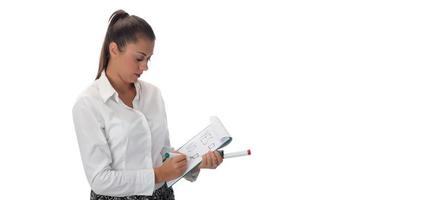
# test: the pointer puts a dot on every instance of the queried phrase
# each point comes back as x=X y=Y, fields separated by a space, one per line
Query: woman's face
x=133 y=59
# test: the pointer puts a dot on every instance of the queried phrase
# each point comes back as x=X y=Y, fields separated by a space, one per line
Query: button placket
x=149 y=135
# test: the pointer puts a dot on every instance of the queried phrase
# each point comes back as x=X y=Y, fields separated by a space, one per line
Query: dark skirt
x=163 y=193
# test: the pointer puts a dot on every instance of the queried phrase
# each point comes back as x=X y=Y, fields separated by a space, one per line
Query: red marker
x=235 y=154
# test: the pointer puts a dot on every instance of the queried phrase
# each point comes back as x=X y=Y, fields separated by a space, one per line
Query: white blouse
x=120 y=145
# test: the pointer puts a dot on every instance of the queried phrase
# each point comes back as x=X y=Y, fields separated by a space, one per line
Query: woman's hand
x=211 y=160
x=171 y=168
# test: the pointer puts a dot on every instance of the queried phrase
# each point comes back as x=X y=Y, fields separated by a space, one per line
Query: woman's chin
x=134 y=78
x=131 y=80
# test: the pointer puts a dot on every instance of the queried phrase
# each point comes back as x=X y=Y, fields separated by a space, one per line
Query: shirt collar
x=138 y=89
x=106 y=90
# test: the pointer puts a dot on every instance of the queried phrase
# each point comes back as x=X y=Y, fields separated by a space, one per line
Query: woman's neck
x=117 y=82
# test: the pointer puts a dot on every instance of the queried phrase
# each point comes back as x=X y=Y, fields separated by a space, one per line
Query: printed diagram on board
x=191 y=151
x=206 y=140
x=206 y=143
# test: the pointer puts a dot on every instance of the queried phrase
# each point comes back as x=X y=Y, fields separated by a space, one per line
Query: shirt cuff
x=145 y=182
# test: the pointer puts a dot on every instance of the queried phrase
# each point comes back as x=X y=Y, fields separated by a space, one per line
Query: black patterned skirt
x=163 y=193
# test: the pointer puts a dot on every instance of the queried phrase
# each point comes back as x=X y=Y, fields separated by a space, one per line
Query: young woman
x=121 y=123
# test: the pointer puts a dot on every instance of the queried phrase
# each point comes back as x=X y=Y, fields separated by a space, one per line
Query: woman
x=121 y=123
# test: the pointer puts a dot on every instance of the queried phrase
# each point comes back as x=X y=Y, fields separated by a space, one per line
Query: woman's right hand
x=171 y=168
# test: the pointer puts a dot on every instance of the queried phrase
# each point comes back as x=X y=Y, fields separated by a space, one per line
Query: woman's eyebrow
x=143 y=53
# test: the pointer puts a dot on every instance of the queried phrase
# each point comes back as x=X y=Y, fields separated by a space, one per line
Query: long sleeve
x=97 y=157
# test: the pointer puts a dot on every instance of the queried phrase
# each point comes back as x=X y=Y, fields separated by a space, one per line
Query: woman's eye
x=140 y=59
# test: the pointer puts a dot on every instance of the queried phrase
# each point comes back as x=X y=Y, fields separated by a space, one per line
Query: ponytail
x=122 y=28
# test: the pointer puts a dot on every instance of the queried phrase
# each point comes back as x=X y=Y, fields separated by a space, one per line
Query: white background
x=326 y=94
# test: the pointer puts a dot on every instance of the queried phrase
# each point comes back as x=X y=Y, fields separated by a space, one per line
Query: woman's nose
x=143 y=66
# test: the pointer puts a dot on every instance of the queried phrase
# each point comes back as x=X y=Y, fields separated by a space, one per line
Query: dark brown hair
x=122 y=29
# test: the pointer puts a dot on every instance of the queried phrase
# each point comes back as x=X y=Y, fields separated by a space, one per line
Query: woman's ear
x=113 y=48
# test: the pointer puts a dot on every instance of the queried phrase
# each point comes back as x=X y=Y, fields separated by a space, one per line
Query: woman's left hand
x=211 y=160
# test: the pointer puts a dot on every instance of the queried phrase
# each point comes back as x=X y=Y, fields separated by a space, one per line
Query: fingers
x=218 y=157
x=180 y=164
x=179 y=161
x=214 y=161
x=204 y=162
x=211 y=160
x=182 y=167
x=208 y=160
x=180 y=158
